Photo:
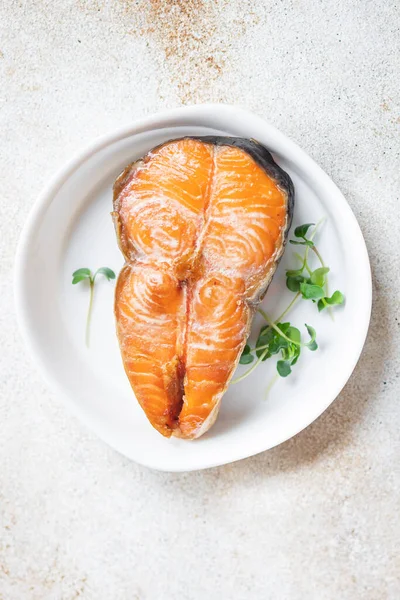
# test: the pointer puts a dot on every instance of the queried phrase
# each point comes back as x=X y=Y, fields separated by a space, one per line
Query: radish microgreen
x=85 y=274
x=282 y=338
x=311 y=284
x=275 y=338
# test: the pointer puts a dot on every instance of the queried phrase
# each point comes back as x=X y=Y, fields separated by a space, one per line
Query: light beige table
x=315 y=519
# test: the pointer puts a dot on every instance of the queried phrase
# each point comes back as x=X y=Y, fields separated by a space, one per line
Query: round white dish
x=70 y=227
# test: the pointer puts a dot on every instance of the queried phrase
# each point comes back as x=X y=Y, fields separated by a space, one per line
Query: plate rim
x=44 y=200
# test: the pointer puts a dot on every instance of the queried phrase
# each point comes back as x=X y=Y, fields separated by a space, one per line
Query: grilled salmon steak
x=202 y=223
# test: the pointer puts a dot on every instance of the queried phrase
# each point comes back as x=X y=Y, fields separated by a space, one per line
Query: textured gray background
x=318 y=517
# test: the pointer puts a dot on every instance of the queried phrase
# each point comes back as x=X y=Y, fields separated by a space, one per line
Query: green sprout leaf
x=318 y=276
x=284 y=327
x=246 y=357
x=309 y=291
x=294 y=272
x=277 y=344
x=305 y=243
x=301 y=230
x=108 y=273
x=294 y=334
x=336 y=298
x=312 y=344
x=296 y=358
x=283 y=368
x=265 y=337
x=80 y=275
x=293 y=282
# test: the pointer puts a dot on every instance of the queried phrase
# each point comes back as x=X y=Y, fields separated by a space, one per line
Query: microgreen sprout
x=282 y=338
x=311 y=284
x=277 y=338
x=85 y=274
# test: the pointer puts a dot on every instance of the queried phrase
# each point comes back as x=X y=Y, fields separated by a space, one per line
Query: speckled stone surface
x=318 y=517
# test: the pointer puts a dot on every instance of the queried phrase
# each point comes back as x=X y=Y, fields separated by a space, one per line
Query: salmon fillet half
x=202 y=223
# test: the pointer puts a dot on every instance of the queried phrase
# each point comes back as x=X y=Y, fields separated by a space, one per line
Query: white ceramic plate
x=70 y=227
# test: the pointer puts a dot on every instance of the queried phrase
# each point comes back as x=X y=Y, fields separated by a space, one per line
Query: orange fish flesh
x=202 y=223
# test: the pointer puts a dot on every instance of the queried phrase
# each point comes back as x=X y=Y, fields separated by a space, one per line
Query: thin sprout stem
x=312 y=236
x=314 y=247
x=274 y=326
x=287 y=309
x=251 y=368
x=89 y=314
x=321 y=260
x=271 y=384
x=257 y=348
x=297 y=296
x=303 y=259
x=308 y=268
x=317 y=226
x=293 y=302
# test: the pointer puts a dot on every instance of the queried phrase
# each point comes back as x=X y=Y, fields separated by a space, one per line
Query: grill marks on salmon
x=202 y=223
